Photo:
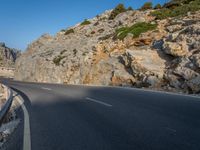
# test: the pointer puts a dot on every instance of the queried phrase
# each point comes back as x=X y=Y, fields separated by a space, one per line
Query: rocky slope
x=166 y=58
x=8 y=56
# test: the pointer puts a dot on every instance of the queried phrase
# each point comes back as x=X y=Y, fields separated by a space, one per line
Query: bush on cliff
x=158 y=6
x=85 y=22
x=118 y=9
x=135 y=29
x=146 y=6
x=177 y=8
x=58 y=59
x=69 y=31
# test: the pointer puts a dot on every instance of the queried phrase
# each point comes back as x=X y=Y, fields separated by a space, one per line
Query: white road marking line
x=44 y=88
x=96 y=101
x=27 y=135
x=170 y=129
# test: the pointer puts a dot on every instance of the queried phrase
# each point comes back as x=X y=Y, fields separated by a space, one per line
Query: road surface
x=69 y=117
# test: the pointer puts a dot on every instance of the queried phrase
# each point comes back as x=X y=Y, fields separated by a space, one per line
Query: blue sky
x=22 y=21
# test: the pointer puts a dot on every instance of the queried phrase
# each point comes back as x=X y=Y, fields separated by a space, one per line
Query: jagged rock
x=194 y=84
x=145 y=64
x=174 y=28
x=108 y=72
x=196 y=59
x=185 y=72
x=176 y=49
x=173 y=80
x=153 y=81
x=158 y=44
x=8 y=56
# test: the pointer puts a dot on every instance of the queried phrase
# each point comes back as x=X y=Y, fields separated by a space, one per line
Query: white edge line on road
x=100 y=102
x=44 y=88
x=27 y=135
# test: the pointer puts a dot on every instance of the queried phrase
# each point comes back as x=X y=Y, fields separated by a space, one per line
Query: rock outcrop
x=8 y=58
x=167 y=58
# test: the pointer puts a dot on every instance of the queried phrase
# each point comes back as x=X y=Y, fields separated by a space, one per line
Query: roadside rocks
x=194 y=84
x=145 y=65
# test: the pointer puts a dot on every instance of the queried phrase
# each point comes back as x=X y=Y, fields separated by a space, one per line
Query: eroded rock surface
x=166 y=58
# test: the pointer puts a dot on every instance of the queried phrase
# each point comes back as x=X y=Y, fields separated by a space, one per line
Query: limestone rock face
x=167 y=58
x=145 y=65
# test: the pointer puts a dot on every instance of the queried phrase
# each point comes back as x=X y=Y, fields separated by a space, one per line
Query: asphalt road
x=68 y=117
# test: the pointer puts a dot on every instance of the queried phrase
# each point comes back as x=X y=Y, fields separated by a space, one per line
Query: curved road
x=69 y=117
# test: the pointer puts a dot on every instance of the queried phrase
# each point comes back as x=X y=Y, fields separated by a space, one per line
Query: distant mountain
x=8 y=55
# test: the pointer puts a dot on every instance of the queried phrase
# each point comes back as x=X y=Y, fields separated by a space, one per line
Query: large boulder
x=145 y=64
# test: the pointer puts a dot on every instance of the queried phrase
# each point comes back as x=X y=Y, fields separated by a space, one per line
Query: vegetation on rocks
x=85 y=22
x=146 y=6
x=118 y=10
x=158 y=6
x=177 y=8
x=135 y=29
x=69 y=31
x=58 y=59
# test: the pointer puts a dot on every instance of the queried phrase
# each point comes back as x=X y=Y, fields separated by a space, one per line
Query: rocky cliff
x=133 y=48
x=8 y=56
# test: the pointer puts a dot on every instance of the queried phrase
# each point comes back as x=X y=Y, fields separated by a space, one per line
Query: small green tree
x=118 y=9
x=158 y=6
x=85 y=22
x=147 y=5
x=129 y=8
x=69 y=31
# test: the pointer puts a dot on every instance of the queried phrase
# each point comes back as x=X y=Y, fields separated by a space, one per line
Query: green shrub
x=186 y=1
x=85 y=22
x=162 y=14
x=63 y=51
x=172 y=4
x=158 y=6
x=129 y=8
x=146 y=6
x=75 y=52
x=105 y=37
x=135 y=29
x=69 y=31
x=118 y=9
x=58 y=59
x=93 y=32
x=181 y=9
x=63 y=30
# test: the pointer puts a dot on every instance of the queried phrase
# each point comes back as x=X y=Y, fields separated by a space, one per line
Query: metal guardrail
x=7 y=105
